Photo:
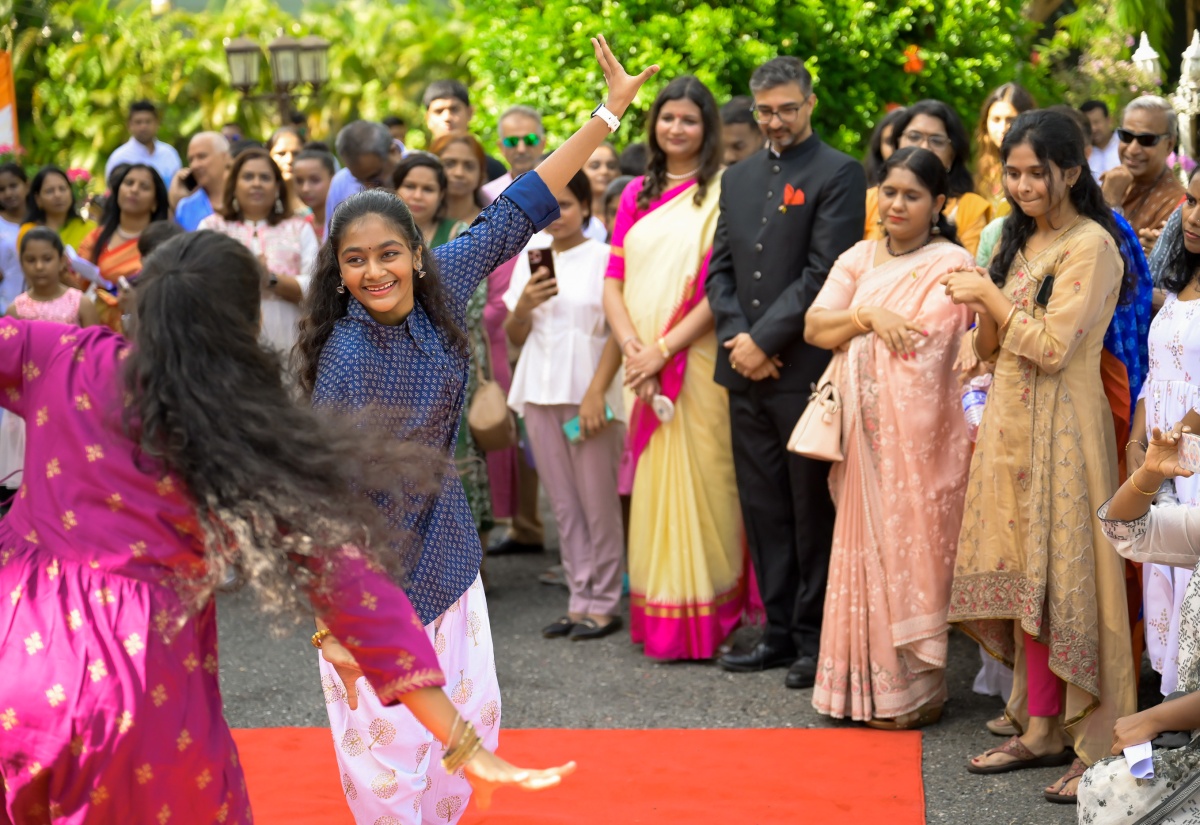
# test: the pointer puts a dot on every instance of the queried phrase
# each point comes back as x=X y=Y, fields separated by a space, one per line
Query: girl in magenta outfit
x=152 y=468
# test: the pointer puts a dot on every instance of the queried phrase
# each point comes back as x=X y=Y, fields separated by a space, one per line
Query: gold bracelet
x=1134 y=441
x=858 y=321
x=319 y=637
x=1007 y=321
x=1133 y=484
x=664 y=349
x=462 y=751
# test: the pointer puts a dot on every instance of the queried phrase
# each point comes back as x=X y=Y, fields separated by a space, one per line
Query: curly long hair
x=324 y=305
x=276 y=485
x=1055 y=139
x=686 y=87
x=989 y=168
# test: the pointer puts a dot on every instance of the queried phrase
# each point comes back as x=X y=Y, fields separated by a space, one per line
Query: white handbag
x=818 y=433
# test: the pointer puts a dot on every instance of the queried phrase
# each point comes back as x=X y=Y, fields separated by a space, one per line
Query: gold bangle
x=463 y=750
x=858 y=321
x=1134 y=441
x=1133 y=484
x=664 y=349
x=1004 y=327
x=319 y=637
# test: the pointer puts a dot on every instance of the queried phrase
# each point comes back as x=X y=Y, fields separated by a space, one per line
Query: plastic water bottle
x=973 y=398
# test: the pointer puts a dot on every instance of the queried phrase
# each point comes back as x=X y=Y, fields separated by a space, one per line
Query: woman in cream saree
x=685 y=551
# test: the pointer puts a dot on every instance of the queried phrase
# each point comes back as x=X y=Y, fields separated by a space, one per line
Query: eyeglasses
x=786 y=114
x=915 y=138
x=512 y=141
x=1146 y=139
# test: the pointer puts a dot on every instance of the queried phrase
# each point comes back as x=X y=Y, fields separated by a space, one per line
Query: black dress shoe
x=802 y=674
x=761 y=657
x=510 y=547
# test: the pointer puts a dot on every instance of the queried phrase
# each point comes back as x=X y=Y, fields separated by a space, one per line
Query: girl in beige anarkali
x=1036 y=582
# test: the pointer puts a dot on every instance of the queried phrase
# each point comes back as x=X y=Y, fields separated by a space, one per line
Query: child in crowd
x=612 y=199
x=564 y=388
x=45 y=298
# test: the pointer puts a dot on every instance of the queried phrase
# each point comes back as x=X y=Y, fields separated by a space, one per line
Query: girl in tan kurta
x=1036 y=582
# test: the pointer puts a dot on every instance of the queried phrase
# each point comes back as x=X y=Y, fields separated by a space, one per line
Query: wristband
x=608 y=117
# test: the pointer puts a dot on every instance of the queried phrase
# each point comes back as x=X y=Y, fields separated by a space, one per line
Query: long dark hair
x=1055 y=139
x=231 y=210
x=989 y=167
x=273 y=482
x=427 y=161
x=687 y=87
x=959 y=181
x=1176 y=267
x=324 y=305
x=930 y=171
x=873 y=162
x=111 y=219
x=35 y=214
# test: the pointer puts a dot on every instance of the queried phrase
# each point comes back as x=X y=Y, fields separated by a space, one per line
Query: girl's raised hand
x=622 y=87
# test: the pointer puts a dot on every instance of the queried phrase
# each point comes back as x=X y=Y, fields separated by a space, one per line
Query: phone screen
x=1044 y=292
x=539 y=258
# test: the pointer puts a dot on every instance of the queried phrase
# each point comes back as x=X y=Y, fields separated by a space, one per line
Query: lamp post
x=293 y=63
x=1186 y=101
x=1146 y=60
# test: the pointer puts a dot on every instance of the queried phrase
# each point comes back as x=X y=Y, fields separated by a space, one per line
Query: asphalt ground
x=270 y=681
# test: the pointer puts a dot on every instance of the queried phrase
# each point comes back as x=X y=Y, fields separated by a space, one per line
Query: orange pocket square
x=792 y=196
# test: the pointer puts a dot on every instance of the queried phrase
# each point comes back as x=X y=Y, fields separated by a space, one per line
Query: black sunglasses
x=1143 y=138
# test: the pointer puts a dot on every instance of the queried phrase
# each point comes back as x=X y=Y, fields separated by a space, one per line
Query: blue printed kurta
x=411 y=371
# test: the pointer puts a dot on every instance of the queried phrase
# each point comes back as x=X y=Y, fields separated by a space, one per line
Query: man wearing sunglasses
x=522 y=141
x=1142 y=187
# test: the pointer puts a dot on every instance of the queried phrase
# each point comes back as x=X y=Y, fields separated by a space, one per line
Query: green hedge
x=77 y=75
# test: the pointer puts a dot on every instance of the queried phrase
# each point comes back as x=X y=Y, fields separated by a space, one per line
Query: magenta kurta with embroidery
x=110 y=710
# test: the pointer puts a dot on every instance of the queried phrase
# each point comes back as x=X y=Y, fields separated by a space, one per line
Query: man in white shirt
x=144 y=146
x=1106 y=152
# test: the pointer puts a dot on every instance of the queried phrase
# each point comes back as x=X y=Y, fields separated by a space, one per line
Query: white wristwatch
x=608 y=117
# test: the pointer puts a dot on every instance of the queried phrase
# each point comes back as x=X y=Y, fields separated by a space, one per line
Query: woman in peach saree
x=899 y=491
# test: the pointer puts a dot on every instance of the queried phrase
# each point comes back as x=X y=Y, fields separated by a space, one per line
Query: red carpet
x=697 y=777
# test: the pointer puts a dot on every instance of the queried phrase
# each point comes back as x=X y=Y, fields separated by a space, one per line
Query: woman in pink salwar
x=152 y=468
x=685 y=550
x=899 y=491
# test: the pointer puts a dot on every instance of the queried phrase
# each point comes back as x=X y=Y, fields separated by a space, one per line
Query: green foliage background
x=80 y=63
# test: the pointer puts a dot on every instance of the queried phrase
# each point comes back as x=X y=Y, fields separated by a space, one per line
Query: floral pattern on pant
x=390 y=765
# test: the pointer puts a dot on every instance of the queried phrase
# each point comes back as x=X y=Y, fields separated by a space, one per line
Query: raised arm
x=569 y=158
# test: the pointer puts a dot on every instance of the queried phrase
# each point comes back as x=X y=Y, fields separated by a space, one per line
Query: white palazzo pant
x=391 y=766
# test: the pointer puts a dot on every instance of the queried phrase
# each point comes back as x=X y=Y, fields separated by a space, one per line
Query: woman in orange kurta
x=138 y=198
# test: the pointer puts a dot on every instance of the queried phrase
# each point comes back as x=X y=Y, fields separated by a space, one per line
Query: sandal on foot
x=1001 y=727
x=1077 y=770
x=926 y=715
x=559 y=629
x=1025 y=758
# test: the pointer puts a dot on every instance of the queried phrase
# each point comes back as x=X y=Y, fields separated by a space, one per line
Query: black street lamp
x=293 y=63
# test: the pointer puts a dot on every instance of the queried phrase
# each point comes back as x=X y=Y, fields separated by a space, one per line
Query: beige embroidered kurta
x=1032 y=558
